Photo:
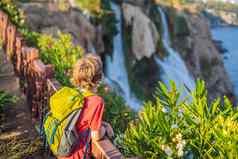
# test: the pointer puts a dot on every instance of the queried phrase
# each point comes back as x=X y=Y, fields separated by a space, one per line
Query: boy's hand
x=109 y=130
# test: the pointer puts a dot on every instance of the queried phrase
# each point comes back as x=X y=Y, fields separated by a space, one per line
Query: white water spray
x=173 y=66
x=115 y=64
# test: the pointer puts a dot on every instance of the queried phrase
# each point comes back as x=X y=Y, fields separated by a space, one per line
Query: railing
x=36 y=80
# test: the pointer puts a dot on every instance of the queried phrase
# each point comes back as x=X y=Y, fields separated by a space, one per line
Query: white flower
x=183 y=142
x=213 y=142
x=165 y=109
x=180 y=113
x=168 y=151
x=180 y=153
x=179 y=146
x=174 y=126
x=181 y=110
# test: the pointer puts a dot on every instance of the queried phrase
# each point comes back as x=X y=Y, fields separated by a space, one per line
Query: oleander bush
x=173 y=127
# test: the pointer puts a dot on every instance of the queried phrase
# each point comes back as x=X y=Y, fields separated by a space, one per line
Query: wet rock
x=221 y=17
x=203 y=58
x=144 y=33
x=219 y=46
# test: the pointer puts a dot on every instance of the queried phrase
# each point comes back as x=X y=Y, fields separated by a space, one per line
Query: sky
x=232 y=1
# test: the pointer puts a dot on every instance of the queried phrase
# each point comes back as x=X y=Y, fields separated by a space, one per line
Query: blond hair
x=87 y=72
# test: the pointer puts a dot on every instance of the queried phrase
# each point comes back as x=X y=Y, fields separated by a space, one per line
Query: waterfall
x=173 y=66
x=115 y=65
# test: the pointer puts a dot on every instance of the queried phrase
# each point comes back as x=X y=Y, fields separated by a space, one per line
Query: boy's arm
x=105 y=129
x=98 y=135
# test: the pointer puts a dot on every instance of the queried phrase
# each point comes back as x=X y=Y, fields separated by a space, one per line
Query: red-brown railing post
x=11 y=37
x=3 y=27
x=38 y=84
x=27 y=56
x=18 y=52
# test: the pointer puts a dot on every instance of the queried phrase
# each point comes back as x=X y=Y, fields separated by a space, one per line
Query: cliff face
x=144 y=33
x=221 y=17
x=47 y=18
x=202 y=57
x=142 y=39
x=192 y=38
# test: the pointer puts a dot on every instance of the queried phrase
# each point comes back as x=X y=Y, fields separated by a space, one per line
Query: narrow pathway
x=18 y=138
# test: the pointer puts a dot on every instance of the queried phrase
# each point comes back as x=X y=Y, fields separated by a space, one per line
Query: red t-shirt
x=90 y=118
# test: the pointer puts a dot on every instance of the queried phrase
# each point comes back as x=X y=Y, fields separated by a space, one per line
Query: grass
x=18 y=148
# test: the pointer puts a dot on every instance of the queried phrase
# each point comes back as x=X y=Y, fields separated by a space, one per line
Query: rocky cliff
x=144 y=33
x=142 y=41
x=191 y=36
x=202 y=57
x=221 y=17
x=49 y=19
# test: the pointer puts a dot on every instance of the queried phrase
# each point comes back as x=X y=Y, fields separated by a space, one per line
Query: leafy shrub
x=108 y=22
x=117 y=113
x=180 y=26
x=188 y=128
x=92 y=6
x=61 y=53
x=108 y=18
x=16 y=16
x=6 y=99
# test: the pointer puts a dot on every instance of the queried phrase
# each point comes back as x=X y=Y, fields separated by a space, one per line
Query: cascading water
x=173 y=66
x=115 y=66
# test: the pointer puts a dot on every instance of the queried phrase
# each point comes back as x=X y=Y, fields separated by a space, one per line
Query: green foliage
x=220 y=5
x=210 y=125
x=117 y=113
x=5 y=100
x=108 y=19
x=16 y=16
x=61 y=53
x=172 y=2
x=181 y=26
x=108 y=22
x=184 y=128
x=92 y=6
